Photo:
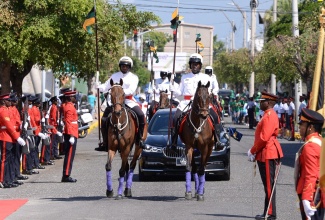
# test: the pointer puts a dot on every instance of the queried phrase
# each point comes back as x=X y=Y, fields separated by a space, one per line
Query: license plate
x=180 y=161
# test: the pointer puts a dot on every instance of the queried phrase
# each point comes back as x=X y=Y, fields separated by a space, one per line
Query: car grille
x=179 y=152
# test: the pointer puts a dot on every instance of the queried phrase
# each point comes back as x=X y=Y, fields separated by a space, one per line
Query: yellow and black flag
x=154 y=52
x=90 y=20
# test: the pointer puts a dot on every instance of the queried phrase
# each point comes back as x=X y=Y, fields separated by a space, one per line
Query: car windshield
x=159 y=124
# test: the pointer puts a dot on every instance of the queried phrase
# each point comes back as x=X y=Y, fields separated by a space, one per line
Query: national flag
x=234 y=29
x=199 y=43
x=175 y=13
x=154 y=51
x=235 y=134
x=90 y=20
x=176 y=19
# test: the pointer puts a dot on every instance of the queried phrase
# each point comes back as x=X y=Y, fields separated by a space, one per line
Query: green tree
x=290 y=57
x=218 y=47
x=159 y=38
x=49 y=33
x=233 y=68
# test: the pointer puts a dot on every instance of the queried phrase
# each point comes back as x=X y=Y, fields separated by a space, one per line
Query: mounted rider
x=130 y=84
x=161 y=84
x=187 y=89
x=215 y=85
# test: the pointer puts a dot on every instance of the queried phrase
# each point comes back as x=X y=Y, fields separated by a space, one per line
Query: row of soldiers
x=21 y=133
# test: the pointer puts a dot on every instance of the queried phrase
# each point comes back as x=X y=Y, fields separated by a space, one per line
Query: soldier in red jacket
x=53 y=120
x=8 y=135
x=70 y=135
x=35 y=121
x=267 y=151
x=307 y=165
x=16 y=150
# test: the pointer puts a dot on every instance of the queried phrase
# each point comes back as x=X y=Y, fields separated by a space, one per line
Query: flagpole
x=97 y=78
x=172 y=82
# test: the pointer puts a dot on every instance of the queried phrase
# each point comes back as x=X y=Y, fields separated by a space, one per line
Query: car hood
x=160 y=140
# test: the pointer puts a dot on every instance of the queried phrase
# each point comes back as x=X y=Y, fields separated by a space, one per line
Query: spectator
x=91 y=101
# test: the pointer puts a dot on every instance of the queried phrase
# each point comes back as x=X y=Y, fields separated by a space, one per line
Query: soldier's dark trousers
x=267 y=172
x=70 y=151
x=6 y=162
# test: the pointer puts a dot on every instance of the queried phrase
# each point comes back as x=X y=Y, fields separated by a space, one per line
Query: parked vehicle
x=226 y=95
x=157 y=159
x=84 y=120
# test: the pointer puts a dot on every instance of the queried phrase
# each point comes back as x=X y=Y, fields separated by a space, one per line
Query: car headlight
x=152 y=149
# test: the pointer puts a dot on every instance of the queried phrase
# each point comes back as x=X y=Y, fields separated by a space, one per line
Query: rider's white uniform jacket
x=130 y=84
x=188 y=85
x=214 y=84
x=162 y=85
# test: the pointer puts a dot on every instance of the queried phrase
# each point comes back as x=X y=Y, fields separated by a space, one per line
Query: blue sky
x=207 y=12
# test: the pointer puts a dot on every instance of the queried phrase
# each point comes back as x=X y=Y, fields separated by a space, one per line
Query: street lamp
x=245 y=21
x=253 y=5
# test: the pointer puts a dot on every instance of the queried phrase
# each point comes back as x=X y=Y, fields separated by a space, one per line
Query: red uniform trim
x=268 y=184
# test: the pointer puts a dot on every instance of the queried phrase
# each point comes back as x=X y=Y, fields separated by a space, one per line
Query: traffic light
x=135 y=35
x=174 y=36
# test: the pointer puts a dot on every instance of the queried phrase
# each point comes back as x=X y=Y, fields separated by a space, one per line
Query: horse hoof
x=118 y=197
x=188 y=195
x=200 y=197
x=109 y=194
x=127 y=192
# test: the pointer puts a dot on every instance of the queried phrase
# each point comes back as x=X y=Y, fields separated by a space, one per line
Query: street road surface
x=163 y=198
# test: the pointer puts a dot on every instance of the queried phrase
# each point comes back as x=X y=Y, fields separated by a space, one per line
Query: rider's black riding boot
x=140 y=134
x=174 y=134
x=217 y=131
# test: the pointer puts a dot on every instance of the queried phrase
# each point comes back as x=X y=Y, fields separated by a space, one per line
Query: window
x=187 y=35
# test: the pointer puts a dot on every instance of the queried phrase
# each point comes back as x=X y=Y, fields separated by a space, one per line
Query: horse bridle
x=119 y=114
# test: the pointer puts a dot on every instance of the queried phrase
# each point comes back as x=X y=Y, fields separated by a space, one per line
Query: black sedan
x=157 y=159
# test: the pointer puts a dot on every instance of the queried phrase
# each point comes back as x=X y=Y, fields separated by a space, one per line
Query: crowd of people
x=247 y=111
x=34 y=137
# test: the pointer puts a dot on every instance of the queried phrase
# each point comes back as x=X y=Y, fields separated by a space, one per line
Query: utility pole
x=253 y=5
x=245 y=22
x=232 y=36
x=295 y=32
x=273 y=77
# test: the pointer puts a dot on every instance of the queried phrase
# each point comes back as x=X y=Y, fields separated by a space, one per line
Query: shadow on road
x=224 y=215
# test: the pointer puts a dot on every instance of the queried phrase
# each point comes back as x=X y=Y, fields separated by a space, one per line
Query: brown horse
x=121 y=137
x=164 y=102
x=197 y=133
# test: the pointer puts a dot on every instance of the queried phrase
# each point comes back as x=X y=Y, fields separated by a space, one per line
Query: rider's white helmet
x=209 y=70
x=195 y=58
x=125 y=61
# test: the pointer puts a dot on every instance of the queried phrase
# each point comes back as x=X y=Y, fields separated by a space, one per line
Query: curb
x=93 y=126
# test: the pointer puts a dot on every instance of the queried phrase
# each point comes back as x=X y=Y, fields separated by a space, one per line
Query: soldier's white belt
x=3 y=127
x=74 y=122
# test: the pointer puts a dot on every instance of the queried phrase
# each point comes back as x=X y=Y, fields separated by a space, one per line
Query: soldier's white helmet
x=209 y=70
x=195 y=58
x=125 y=61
